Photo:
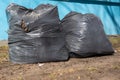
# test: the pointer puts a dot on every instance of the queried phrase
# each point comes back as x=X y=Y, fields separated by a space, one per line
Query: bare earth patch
x=94 y=68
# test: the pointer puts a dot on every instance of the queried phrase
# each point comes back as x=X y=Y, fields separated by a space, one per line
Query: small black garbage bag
x=85 y=35
x=35 y=35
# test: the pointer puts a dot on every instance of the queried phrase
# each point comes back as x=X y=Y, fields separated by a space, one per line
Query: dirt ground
x=94 y=68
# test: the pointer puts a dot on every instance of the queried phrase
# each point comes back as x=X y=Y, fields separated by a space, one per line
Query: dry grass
x=115 y=40
x=3 y=53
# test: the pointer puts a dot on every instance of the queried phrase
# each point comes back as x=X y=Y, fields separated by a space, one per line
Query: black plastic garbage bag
x=85 y=35
x=35 y=35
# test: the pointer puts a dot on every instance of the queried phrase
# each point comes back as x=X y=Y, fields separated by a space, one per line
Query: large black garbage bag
x=35 y=35
x=85 y=35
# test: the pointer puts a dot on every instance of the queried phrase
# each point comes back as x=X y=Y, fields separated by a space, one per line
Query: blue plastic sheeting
x=98 y=2
x=105 y=0
x=110 y=15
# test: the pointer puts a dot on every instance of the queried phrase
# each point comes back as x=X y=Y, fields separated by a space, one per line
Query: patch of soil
x=94 y=68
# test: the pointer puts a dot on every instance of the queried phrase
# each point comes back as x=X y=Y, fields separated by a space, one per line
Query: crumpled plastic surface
x=85 y=35
x=35 y=35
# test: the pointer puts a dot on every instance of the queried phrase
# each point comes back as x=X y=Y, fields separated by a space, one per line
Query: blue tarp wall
x=108 y=13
